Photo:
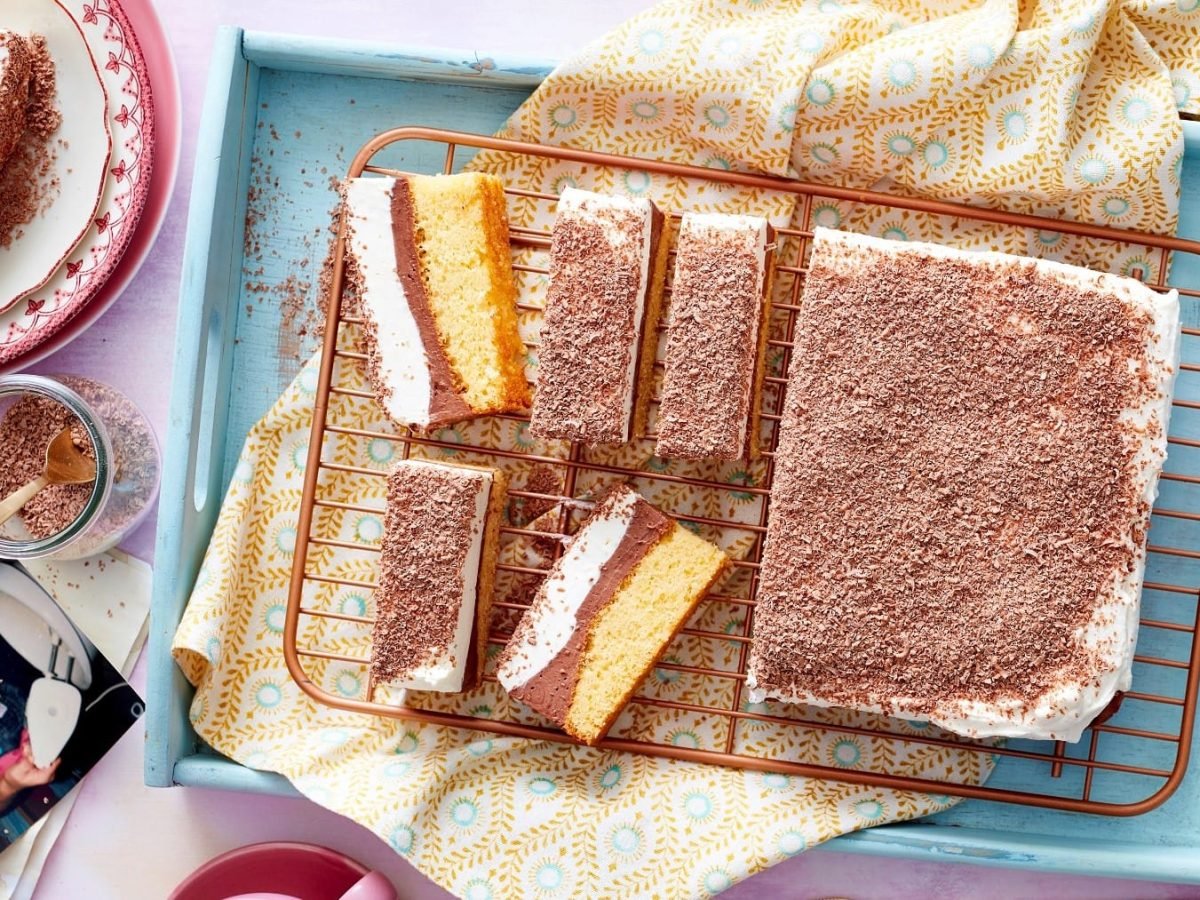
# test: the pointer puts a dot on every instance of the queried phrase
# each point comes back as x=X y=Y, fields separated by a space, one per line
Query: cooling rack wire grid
x=1126 y=764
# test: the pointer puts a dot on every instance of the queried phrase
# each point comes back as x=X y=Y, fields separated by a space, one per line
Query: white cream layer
x=587 y=206
x=1064 y=711
x=402 y=360
x=545 y=629
x=447 y=671
x=699 y=229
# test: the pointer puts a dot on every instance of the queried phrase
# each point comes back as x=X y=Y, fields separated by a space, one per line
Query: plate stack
x=104 y=178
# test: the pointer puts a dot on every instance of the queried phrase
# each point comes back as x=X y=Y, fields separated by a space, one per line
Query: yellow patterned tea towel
x=1064 y=108
x=1067 y=108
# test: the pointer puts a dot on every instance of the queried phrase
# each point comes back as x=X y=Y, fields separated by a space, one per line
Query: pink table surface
x=125 y=841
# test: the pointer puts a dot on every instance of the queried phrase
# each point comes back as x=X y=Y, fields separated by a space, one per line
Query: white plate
x=83 y=144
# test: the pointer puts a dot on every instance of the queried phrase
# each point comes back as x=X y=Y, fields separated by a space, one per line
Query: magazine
x=62 y=704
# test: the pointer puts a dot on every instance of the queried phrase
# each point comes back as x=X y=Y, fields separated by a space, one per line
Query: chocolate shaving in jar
x=26 y=430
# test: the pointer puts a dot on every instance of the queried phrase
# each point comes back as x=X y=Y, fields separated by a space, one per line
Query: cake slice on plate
x=969 y=450
x=714 y=367
x=434 y=600
x=16 y=69
x=607 y=609
x=608 y=260
x=436 y=287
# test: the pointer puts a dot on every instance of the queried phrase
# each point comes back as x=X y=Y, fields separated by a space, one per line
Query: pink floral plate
x=122 y=65
x=168 y=123
x=78 y=157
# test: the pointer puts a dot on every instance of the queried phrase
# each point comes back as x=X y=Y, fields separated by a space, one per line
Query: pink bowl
x=297 y=870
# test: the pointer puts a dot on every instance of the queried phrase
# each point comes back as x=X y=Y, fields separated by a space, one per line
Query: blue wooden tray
x=280 y=117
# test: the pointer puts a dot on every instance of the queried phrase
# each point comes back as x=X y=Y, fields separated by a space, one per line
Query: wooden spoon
x=65 y=464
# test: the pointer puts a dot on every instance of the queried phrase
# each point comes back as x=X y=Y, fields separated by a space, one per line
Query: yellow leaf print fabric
x=1068 y=108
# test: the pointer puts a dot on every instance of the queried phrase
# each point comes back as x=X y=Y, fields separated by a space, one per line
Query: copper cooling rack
x=1125 y=765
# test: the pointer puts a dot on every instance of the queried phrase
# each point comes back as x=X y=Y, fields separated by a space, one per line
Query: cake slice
x=608 y=261
x=969 y=450
x=436 y=288
x=606 y=610
x=16 y=69
x=434 y=600
x=720 y=307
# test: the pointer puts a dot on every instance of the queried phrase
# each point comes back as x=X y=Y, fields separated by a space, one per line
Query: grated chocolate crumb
x=955 y=485
x=28 y=184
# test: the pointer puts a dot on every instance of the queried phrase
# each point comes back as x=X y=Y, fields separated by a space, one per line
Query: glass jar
x=86 y=519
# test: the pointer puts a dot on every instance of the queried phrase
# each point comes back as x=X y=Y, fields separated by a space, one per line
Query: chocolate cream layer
x=446 y=403
x=540 y=666
x=407 y=363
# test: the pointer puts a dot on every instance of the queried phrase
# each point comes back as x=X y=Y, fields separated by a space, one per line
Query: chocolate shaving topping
x=712 y=343
x=591 y=333
x=428 y=535
x=956 y=490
